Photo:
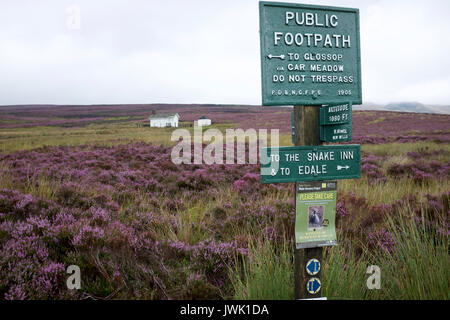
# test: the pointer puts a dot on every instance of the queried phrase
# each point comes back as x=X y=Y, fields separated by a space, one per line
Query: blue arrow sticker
x=313 y=286
x=313 y=267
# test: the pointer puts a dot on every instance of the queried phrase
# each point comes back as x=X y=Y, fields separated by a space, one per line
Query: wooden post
x=306 y=120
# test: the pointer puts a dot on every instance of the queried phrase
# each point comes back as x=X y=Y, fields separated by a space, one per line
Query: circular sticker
x=313 y=285
x=313 y=267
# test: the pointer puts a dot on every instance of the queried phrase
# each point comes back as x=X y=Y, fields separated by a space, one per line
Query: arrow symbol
x=313 y=285
x=343 y=167
x=282 y=56
x=313 y=266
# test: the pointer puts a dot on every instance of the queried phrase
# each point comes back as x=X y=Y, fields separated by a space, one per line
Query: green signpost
x=310 y=55
x=310 y=163
x=310 y=58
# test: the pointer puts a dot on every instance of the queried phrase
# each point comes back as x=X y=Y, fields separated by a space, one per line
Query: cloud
x=427 y=90
x=199 y=51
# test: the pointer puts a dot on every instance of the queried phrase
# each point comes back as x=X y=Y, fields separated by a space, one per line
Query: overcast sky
x=200 y=51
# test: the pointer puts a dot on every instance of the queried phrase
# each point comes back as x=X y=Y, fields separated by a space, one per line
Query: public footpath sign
x=310 y=55
x=310 y=58
x=310 y=163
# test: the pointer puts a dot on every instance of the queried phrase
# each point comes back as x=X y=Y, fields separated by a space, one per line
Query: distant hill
x=101 y=110
x=406 y=107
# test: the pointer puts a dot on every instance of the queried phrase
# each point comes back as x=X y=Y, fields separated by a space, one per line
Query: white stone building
x=203 y=121
x=164 y=120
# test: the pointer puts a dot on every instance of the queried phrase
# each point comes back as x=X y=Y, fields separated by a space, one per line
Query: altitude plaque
x=336 y=114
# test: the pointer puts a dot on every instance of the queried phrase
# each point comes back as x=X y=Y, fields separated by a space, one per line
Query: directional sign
x=310 y=55
x=310 y=163
x=313 y=267
x=336 y=114
x=313 y=285
x=336 y=133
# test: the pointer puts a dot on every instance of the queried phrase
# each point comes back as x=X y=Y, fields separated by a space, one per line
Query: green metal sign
x=336 y=133
x=336 y=114
x=310 y=55
x=310 y=163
